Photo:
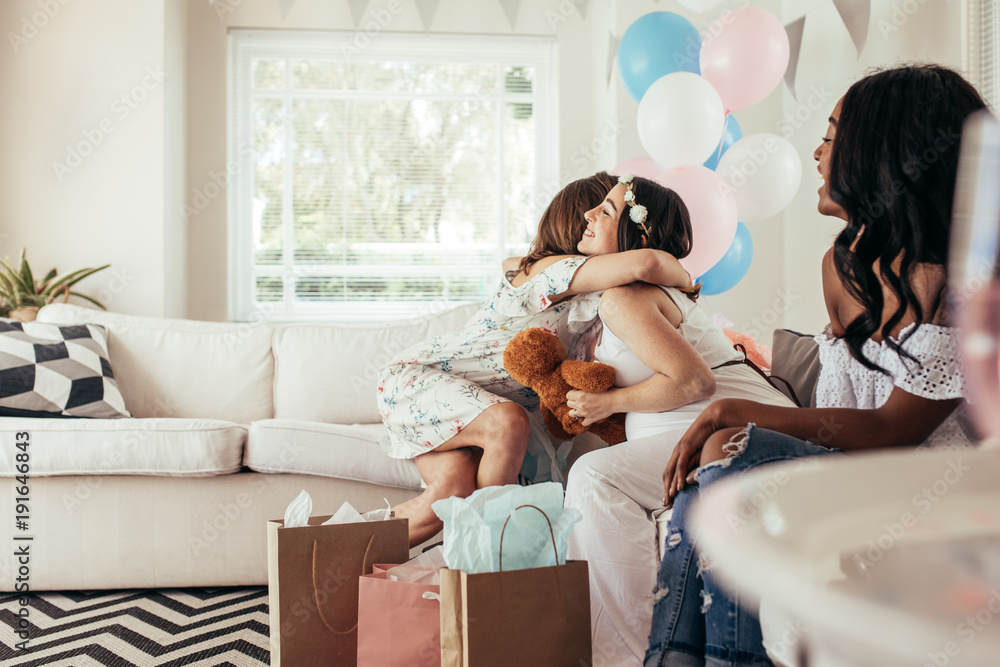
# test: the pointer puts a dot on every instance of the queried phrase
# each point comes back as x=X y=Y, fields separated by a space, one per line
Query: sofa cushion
x=327 y=373
x=52 y=371
x=183 y=368
x=170 y=447
x=795 y=357
x=328 y=450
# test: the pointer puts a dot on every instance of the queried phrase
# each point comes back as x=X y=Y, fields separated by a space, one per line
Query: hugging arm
x=602 y=272
x=634 y=314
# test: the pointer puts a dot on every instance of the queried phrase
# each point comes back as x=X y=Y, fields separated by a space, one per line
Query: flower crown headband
x=637 y=212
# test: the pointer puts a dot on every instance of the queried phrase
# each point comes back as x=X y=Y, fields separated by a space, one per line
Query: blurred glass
x=975 y=288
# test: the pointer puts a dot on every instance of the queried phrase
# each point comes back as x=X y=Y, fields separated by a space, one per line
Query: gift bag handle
x=552 y=534
x=319 y=607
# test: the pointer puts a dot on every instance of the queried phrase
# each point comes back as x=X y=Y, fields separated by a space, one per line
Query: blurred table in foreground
x=877 y=559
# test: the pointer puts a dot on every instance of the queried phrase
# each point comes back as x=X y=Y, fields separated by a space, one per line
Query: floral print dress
x=432 y=390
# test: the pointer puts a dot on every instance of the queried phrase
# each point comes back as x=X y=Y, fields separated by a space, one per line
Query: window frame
x=246 y=45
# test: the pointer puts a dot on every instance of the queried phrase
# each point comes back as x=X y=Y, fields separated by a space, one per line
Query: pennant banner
x=358 y=8
x=510 y=8
x=794 y=30
x=582 y=6
x=427 y=9
x=856 y=15
x=612 y=53
x=286 y=6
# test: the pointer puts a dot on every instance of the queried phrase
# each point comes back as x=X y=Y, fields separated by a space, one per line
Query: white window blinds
x=386 y=181
x=984 y=48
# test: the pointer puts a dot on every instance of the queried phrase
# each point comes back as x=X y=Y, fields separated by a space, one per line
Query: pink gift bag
x=397 y=623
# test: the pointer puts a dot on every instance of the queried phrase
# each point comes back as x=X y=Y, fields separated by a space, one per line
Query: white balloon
x=680 y=120
x=764 y=172
x=700 y=5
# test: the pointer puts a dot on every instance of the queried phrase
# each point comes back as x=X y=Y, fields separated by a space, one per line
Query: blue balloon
x=732 y=267
x=655 y=45
x=733 y=134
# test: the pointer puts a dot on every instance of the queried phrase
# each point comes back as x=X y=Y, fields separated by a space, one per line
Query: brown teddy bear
x=537 y=359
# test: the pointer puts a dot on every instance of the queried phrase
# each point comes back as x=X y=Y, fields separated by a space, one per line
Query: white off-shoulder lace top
x=845 y=383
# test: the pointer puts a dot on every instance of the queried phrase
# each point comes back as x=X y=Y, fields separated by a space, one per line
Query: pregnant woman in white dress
x=449 y=403
x=665 y=351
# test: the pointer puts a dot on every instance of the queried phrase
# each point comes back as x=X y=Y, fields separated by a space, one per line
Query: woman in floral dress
x=448 y=402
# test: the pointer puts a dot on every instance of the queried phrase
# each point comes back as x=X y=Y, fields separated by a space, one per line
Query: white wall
x=121 y=204
x=64 y=91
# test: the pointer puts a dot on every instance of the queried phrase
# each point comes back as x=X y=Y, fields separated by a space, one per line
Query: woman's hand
x=590 y=408
x=687 y=454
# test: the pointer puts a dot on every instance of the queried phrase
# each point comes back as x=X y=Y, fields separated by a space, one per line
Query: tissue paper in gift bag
x=398 y=622
x=312 y=576
x=532 y=617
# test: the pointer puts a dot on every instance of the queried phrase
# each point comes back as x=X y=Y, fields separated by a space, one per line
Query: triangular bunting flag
x=582 y=6
x=856 y=15
x=612 y=53
x=427 y=9
x=358 y=8
x=794 y=30
x=286 y=6
x=510 y=8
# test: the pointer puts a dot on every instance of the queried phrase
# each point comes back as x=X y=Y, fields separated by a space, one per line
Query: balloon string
x=722 y=141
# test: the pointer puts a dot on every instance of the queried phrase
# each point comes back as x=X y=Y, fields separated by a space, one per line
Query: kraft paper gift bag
x=532 y=617
x=398 y=622
x=312 y=575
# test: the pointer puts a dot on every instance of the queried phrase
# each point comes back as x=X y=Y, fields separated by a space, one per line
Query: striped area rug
x=221 y=626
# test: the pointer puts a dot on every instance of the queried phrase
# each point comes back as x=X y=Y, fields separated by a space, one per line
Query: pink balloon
x=712 y=208
x=638 y=166
x=744 y=55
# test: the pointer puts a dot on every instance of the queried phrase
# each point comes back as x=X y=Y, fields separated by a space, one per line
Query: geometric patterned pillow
x=47 y=370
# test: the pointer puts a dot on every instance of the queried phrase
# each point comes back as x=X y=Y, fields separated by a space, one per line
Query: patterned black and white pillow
x=47 y=370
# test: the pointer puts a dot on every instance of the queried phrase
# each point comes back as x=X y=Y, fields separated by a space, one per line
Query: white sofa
x=230 y=421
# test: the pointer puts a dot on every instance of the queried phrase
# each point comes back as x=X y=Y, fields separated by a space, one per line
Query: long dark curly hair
x=892 y=169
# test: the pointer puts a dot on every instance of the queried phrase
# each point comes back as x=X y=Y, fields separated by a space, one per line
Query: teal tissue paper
x=473 y=527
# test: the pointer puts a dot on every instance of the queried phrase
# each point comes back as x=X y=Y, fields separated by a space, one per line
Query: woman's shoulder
x=628 y=301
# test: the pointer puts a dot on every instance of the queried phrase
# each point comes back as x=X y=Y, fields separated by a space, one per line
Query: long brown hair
x=562 y=225
x=668 y=221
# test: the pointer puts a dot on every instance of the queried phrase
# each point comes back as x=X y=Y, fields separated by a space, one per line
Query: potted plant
x=21 y=295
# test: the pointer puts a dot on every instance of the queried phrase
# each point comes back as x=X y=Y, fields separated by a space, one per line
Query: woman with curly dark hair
x=890 y=370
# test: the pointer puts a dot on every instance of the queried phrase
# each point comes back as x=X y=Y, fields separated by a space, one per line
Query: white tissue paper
x=473 y=526
x=346 y=514
x=424 y=569
x=298 y=511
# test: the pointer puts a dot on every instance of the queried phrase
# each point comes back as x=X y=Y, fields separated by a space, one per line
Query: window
x=984 y=48
x=387 y=181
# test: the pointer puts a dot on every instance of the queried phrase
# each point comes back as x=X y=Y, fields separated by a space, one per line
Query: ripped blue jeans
x=695 y=623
